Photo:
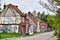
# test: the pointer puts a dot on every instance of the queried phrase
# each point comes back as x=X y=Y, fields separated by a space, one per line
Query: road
x=42 y=36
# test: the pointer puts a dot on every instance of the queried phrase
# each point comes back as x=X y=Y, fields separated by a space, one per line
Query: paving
x=42 y=36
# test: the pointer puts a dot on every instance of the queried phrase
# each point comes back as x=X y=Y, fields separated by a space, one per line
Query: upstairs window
x=10 y=20
x=23 y=19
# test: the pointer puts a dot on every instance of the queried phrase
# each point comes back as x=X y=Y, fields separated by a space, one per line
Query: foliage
x=42 y=16
x=58 y=38
x=55 y=33
x=58 y=2
x=38 y=15
x=50 y=6
x=54 y=21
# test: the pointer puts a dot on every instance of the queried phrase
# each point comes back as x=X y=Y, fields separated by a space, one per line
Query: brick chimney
x=4 y=6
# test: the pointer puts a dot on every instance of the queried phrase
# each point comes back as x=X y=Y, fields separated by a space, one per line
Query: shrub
x=55 y=34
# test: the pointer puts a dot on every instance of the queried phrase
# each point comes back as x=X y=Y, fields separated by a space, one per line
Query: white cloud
x=27 y=5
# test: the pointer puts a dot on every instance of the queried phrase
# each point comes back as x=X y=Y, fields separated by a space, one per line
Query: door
x=30 y=29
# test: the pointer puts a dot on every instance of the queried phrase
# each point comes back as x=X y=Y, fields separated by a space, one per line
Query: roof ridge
x=16 y=8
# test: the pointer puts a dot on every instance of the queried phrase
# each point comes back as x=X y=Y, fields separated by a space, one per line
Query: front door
x=30 y=29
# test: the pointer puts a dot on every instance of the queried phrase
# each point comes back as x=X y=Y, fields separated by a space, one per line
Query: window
x=1 y=30
x=30 y=29
x=9 y=20
x=6 y=21
x=9 y=28
x=23 y=19
x=15 y=27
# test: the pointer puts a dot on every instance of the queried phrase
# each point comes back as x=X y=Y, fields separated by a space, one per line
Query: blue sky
x=27 y=5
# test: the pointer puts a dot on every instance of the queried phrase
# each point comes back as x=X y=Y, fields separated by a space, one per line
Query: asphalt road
x=43 y=36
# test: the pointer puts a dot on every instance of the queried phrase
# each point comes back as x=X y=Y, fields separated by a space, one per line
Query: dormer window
x=23 y=19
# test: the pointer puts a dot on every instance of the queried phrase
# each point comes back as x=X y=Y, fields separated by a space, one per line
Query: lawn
x=9 y=35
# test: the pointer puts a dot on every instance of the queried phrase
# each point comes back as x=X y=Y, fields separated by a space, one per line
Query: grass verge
x=9 y=35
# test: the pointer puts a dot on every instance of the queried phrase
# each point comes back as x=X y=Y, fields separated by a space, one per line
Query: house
x=38 y=25
x=10 y=19
x=22 y=28
x=33 y=23
x=43 y=26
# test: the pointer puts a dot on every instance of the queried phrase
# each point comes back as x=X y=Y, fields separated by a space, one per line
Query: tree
x=38 y=15
x=54 y=6
x=50 y=6
x=55 y=22
x=43 y=16
x=58 y=2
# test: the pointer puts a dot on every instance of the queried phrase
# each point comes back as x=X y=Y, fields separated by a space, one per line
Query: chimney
x=4 y=6
x=29 y=13
x=16 y=6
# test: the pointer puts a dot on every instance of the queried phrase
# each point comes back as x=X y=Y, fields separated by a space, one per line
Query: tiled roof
x=16 y=8
x=32 y=17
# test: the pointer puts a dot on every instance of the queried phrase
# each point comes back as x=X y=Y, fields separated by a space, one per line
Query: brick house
x=43 y=26
x=34 y=21
x=38 y=25
x=10 y=19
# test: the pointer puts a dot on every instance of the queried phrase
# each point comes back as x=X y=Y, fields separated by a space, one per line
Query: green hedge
x=58 y=38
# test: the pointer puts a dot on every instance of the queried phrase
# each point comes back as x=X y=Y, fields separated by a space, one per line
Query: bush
x=56 y=33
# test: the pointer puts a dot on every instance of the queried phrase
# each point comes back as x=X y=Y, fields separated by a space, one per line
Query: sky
x=26 y=5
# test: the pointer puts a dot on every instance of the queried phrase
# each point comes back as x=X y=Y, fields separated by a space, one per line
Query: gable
x=30 y=20
x=10 y=16
x=16 y=13
x=9 y=13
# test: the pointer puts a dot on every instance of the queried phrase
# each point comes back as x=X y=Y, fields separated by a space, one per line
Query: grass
x=58 y=39
x=9 y=35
